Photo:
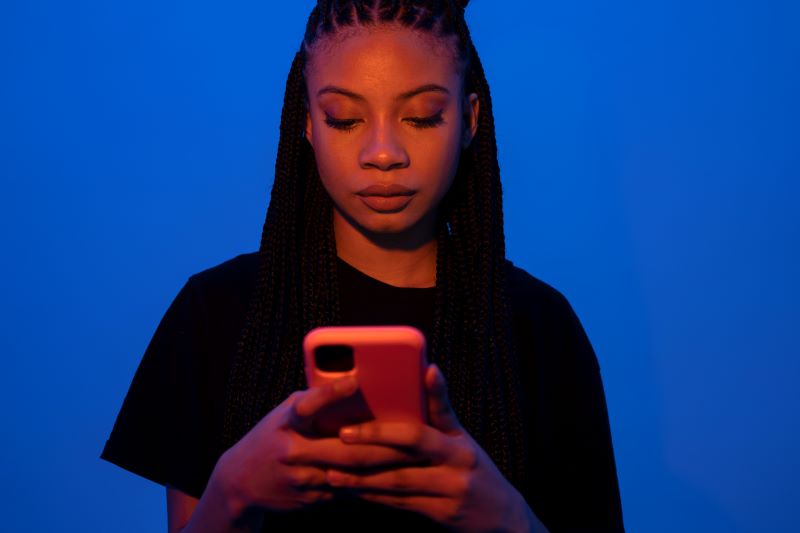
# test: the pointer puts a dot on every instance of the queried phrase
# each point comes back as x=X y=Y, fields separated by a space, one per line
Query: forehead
x=381 y=58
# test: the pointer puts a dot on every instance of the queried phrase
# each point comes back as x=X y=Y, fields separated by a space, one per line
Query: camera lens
x=334 y=358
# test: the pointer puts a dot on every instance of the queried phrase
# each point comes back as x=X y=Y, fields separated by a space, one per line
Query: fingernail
x=348 y=434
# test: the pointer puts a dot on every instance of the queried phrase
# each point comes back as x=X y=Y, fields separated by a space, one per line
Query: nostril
x=384 y=159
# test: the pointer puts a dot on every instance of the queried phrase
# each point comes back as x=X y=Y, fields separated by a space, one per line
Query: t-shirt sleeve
x=573 y=485
x=164 y=431
x=589 y=468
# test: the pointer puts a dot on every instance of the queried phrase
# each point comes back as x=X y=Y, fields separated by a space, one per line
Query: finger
x=432 y=506
x=419 y=439
x=332 y=453
x=427 y=481
x=440 y=412
x=307 y=403
x=306 y=478
x=312 y=496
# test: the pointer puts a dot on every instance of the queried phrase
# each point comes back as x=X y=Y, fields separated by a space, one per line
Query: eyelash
x=348 y=125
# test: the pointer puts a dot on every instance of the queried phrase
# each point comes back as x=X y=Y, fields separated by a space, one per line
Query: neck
x=407 y=260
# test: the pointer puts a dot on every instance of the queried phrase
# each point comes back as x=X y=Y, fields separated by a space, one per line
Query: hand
x=280 y=464
x=459 y=486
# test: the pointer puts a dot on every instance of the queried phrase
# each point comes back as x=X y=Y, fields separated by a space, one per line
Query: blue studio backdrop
x=649 y=153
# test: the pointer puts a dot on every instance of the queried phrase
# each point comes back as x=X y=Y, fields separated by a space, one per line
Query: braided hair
x=296 y=286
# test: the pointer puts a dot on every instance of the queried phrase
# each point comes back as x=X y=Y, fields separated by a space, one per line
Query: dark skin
x=383 y=111
x=386 y=108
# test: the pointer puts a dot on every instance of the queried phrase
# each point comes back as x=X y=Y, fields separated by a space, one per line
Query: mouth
x=394 y=189
x=386 y=198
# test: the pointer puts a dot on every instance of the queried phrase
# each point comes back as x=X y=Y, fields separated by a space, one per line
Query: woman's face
x=387 y=121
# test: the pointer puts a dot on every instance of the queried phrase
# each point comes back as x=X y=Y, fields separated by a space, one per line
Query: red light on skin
x=387 y=204
x=386 y=198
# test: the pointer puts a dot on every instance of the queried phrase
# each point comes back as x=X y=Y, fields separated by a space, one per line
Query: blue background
x=650 y=161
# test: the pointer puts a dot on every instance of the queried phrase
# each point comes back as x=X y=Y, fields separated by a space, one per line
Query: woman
x=386 y=209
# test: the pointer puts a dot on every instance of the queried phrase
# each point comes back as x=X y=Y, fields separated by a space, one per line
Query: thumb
x=440 y=413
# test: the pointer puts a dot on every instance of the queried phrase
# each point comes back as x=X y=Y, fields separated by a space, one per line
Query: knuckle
x=417 y=435
x=398 y=480
x=461 y=485
x=301 y=408
x=470 y=457
x=292 y=452
x=292 y=401
x=296 y=477
x=295 y=408
x=293 y=397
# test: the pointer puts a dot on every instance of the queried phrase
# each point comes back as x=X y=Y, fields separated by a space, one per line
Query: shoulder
x=544 y=320
x=233 y=278
x=234 y=271
x=218 y=296
x=535 y=298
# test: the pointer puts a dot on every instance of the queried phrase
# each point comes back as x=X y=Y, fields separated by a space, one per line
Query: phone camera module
x=334 y=358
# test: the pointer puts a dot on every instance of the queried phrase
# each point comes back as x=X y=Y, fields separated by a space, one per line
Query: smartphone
x=389 y=363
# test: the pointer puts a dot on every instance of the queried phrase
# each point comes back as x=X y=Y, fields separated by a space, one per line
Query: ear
x=309 y=129
x=471 y=110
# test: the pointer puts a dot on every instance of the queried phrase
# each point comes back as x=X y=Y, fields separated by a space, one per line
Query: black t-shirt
x=170 y=425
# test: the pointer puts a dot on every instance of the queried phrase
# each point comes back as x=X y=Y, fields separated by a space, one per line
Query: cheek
x=440 y=159
x=330 y=158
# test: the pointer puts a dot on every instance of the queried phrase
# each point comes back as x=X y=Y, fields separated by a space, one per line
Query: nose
x=383 y=150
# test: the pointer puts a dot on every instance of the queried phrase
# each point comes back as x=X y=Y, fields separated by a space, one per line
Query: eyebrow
x=430 y=87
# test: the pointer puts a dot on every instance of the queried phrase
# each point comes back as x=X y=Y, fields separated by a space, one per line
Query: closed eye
x=348 y=124
x=344 y=124
x=427 y=122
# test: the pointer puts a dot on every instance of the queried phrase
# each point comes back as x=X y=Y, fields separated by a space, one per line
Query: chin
x=404 y=224
x=394 y=223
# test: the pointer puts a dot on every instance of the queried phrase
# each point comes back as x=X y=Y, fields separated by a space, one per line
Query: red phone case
x=389 y=364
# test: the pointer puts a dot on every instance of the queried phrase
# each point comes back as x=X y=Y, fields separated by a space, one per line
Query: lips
x=394 y=189
x=386 y=198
